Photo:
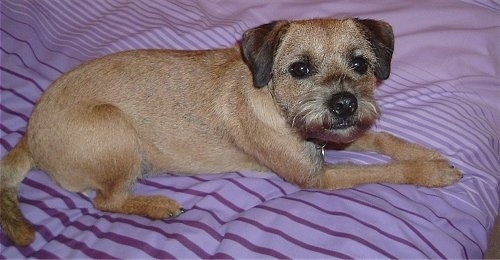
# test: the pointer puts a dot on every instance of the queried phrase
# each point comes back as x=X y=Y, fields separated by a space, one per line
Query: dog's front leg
x=394 y=147
x=436 y=173
x=413 y=164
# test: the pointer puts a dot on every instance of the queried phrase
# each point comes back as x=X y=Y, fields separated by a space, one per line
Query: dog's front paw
x=437 y=173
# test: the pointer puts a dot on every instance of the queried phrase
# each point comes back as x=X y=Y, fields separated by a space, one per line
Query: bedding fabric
x=443 y=93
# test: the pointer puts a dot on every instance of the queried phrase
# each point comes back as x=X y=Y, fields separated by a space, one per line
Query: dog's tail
x=13 y=168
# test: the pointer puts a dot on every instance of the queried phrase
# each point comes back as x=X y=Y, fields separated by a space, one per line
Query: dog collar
x=322 y=148
x=318 y=146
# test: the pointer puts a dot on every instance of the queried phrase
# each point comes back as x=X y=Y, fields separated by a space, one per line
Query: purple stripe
x=233 y=23
x=215 y=195
x=40 y=39
x=183 y=240
x=277 y=186
x=6 y=145
x=48 y=236
x=41 y=229
x=186 y=26
x=179 y=11
x=32 y=51
x=450 y=116
x=293 y=240
x=439 y=137
x=220 y=255
x=65 y=220
x=238 y=184
x=183 y=26
x=26 y=252
x=367 y=225
x=87 y=46
x=415 y=76
x=8 y=131
x=414 y=214
x=198 y=225
x=478 y=158
x=456 y=208
x=131 y=19
x=82 y=247
x=272 y=182
x=17 y=56
x=209 y=212
x=246 y=189
x=71 y=205
x=5 y=242
x=431 y=210
x=18 y=95
x=399 y=124
x=444 y=115
x=51 y=191
x=12 y=112
x=137 y=244
x=200 y=178
x=254 y=248
x=54 y=24
x=449 y=135
x=459 y=103
x=42 y=206
x=327 y=230
x=422 y=237
x=120 y=239
x=22 y=77
x=43 y=254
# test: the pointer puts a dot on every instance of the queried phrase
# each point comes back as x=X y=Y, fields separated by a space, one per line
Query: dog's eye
x=300 y=69
x=360 y=65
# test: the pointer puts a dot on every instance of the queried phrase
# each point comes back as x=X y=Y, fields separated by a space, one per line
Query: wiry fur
x=105 y=123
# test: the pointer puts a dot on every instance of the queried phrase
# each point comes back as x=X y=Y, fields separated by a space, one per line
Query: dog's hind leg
x=13 y=169
x=116 y=198
x=114 y=164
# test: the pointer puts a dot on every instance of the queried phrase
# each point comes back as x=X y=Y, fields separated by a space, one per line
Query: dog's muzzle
x=343 y=105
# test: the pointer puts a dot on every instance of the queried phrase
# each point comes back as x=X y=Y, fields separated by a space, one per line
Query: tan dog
x=270 y=104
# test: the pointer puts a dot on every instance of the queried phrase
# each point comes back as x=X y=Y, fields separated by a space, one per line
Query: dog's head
x=322 y=73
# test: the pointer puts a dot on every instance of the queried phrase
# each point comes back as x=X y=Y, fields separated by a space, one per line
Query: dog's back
x=115 y=117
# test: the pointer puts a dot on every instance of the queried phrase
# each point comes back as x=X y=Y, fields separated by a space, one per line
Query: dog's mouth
x=341 y=130
x=342 y=124
x=315 y=120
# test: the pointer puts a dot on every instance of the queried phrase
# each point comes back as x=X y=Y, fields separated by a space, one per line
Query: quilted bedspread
x=443 y=93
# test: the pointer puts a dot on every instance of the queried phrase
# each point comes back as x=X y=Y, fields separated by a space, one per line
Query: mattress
x=443 y=93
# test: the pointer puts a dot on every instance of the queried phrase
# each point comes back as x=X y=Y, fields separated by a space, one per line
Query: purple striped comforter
x=443 y=93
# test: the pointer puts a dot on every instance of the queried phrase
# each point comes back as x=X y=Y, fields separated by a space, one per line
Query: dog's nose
x=343 y=104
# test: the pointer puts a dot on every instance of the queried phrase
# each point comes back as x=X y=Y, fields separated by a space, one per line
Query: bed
x=443 y=93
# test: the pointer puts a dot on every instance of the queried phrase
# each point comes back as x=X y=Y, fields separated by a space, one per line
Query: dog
x=269 y=103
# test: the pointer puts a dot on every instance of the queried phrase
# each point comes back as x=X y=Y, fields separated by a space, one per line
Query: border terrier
x=269 y=103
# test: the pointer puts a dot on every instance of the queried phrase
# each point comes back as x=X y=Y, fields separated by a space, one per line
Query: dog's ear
x=381 y=37
x=259 y=46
